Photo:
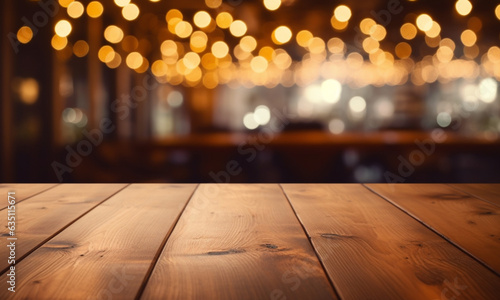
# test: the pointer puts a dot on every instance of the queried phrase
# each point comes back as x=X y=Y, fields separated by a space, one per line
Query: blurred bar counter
x=307 y=156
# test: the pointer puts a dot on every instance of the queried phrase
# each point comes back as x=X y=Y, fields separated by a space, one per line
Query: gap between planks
x=322 y=263
x=22 y=257
x=160 y=249
x=436 y=231
x=30 y=196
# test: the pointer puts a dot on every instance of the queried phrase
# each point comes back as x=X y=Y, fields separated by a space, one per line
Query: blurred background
x=250 y=91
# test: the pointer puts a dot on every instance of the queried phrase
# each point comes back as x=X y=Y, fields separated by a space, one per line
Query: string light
x=24 y=34
x=95 y=9
x=75 y=9
x=272 y=4
x=203 y=55
x=63 y=28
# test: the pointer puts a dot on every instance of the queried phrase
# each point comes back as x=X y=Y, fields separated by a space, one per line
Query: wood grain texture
x=238 y=242
x=486 y=192
x=43 y=215
x=373 y=250
x=107 y=253
x=470 y=223
x=23 y=191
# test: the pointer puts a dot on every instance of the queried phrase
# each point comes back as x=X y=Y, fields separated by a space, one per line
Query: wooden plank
x=373 y=250
x=108 y=252
x=470 y=223
x=42 y=216
x=238 y=242
x=486 y=192
x=23 y=191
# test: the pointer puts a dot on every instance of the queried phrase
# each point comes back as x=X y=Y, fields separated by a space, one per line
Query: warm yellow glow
x=281 y=59
x=113 y=34
x=494 y=54
x=272 y=4
x=194 y=76
x=336 y=46
x=424 y=22
x=65 y=3
x=81 y=48
x=434 y=31
x=122 y=3
x=75 y=9
x=338 y=25
x=468 y=38
x=370 y=45
x=316 y=45
x=403 y=50
x=63 y=28
x=202 y=19
x=143 y=67
x=224 y=20
x=58 y=42
x=173 y=14
x=354 y=60
x=29 y=90
x=106 y=54
x=198 y=41
x=191 y=60
x=213 y=3
x=463 y=7
x=95 y=9
x=259 y=64
x=342 y=13
x=159 y=68
x=248 y=43
x=183 y=29
x=378 y=32
x=24 y=34
x=497 y=11
x=168 y=48
x=444 y=54
x=304 y=37
x=220 y=49
x=447 y=43
x=366 y=24
x=134 y=60
x=130 y=12
x=267 y=52
x=408 y=31
x=115 y=62
x=209 y=61
x=238 y=28
x=281 y=35
x=210 y=80
x=377 y=57
x=240 y=54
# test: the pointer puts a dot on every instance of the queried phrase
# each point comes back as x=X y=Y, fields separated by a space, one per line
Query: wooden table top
x=259 y=241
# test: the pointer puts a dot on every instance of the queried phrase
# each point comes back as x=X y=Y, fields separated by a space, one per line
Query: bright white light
x=384 y=108
x=331 y=90
x=262 y=114
x=487 y=90
x=336 y=126
x=175 y=99
x=313 y=93
x=357 y=104
x=250 y=122
x=443 y=119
